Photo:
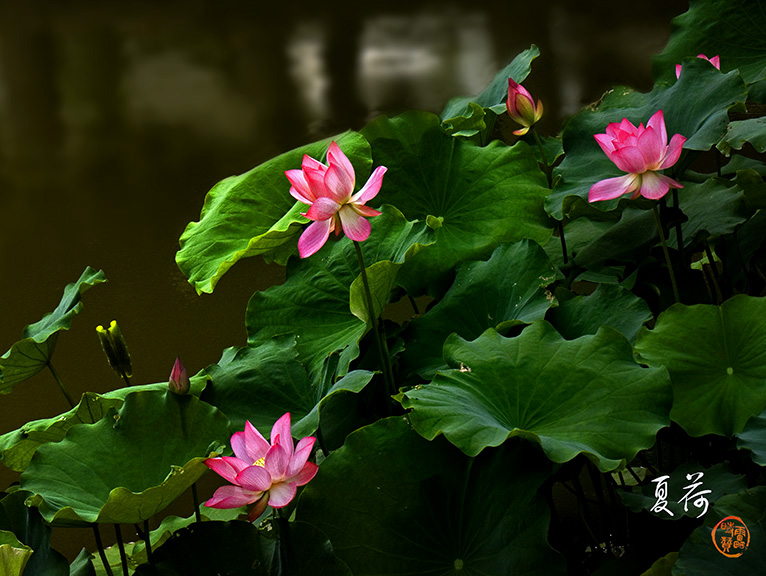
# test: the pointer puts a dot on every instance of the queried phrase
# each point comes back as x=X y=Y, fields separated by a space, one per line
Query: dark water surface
x=115 y=120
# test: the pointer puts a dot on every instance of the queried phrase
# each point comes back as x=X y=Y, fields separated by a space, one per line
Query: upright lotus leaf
x=253 y=213
x=752 y=130
x=507 y=289
x=126 y=468
x=260 y=384
x=703 y=124
x=731 y=30
x=663 y=566
x=713 y=208
x=27 y=526
x=314 y=302
x=13 y=554
x=716 y=356
x=465 y=116
x=700 y=556
x=82 y=565
x=581 y=396
x=719 y=479
x=393 y=503
x=610 y=305
x=31 y=354
x=753 y=438
x=475 y=198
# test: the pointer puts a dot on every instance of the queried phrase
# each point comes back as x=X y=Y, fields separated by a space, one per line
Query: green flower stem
x=121 y=546
x=714 y=274
x=548 y=171
x=679 y=231
x=385 y=361
x=661 y=232
x=282 y=526
x=195 y=498
x=100 y=545
x=61 y=385
x=148 y=540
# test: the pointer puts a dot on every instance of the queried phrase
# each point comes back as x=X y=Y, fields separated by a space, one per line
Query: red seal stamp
x=731 y=537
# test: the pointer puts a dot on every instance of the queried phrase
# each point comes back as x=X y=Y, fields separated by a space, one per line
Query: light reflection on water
x=115 y=123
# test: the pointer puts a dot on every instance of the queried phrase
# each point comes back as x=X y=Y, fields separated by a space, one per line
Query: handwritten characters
x=697 y=497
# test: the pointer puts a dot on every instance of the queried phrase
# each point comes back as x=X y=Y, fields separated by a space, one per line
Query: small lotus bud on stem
x=179 y=380
x=116 y=350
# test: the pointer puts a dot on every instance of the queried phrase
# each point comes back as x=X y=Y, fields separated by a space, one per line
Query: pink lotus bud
x=179 y=380
x=715 y=61
x=521 y=107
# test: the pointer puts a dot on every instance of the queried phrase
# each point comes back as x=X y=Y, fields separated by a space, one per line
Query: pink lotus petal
x=629 y=159
x=300 y=456
x=232 y=497
x=612 y=187
x=305 y=474
x=300 y=188
x=606 y=142
x=277 y=461
x=715 y=61
x=255 y=478
x=653 y=186
x=322 y=209
x=673 y=153
x=281 y=430
x=282 y=494
x=256 y=445
x=365 y=211
x=259 y=508
x=355 y=226
x=336 y=157
x=314 y=237
x=657 y=122
x=678 y=70
x=521 y=131
x=227 y=467
x=371 y=187
x=651 y=147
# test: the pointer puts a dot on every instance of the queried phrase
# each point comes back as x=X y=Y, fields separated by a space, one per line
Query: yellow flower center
x=260 y=462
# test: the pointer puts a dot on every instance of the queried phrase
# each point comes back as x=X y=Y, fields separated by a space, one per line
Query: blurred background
x=117 y=118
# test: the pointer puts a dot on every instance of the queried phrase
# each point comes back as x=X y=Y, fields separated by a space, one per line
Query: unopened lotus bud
x=115 y=349
x=179 y=380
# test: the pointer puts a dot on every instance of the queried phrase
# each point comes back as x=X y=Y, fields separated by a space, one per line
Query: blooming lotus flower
x=641 y=152
x=261 y=472
x=178 y=382
x=521 y=107
x=328 y=190
x=715 y=61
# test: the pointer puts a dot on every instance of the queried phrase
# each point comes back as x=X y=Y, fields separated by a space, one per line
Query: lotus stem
x=121 y=546
x=101 y=553
x=679 y=231
x=148 y=540
x=195 y=499
x=61 y=385
x=714 y=274
x=385 y=361
x=548 y=171
x=661 y=232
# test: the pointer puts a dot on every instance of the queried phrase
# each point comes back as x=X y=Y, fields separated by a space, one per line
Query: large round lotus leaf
x=699 y=556
x=702 y=124
x=127 y=468
x=26 y=524
x=31 y=354
x=253 y=213
x=314 y=302
x=730 y=29
x=716 y=356
x=610 y=305
x=475 y=198
x=753 y=438
x=509 y=288
x=579 y=396
x=260 y=384
x=393 y=503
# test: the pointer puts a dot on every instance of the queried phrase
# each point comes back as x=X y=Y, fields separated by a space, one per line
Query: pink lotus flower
x=521 y=107
x=262 y=472
x=178 y=382
x=715 y=61
x=328 y=190
x=641 y=152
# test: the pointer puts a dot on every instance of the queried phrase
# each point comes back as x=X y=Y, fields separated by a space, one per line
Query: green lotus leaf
x=13 y=554
x=33 y=352
x=753 y=438
x=126 y=468
x=476 y=198
x=507 y=289
x=731 y=30
x=260 y=384
x=465 y=116
x=752 y=130
x=393 y=503
x=581 y=396
x=703 y=124
x=719 y=479
x=716 y=356
x=314 y=302
x=663 y=566
x=18 y=521
x=82 y=565
x=699 y=556
x=610 y=305
x=253 y=213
